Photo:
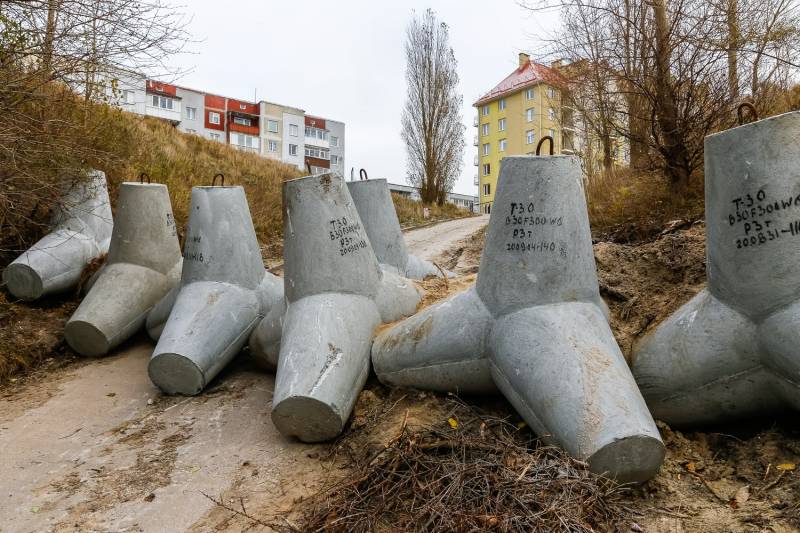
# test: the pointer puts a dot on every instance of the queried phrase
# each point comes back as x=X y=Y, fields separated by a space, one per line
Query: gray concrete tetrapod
x=143 y=264
x=224 y=292
x=81 y=231
x=535 y=321
x=376 y=209
x=732 y=350
x=336 y=295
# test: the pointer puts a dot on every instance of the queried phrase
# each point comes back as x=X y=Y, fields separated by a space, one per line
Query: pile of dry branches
x=472 y=472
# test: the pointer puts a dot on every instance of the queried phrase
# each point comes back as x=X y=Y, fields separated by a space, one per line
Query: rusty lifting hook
x=750 y=107
x=541 y=142
x=363 y=174
x=144 y=176
x=221 y=181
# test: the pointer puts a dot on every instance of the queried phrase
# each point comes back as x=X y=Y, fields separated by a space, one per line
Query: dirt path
x=430 y=241
x=96 y=447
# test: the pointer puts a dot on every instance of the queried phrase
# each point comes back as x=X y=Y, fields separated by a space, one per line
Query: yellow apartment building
x=511 y=120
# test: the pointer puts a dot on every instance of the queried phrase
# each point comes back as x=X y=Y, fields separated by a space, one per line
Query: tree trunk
x=49 y=36
x=673 y=146
x=732 y=17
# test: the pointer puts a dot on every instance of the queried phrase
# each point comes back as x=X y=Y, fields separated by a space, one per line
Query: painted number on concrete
x=348 y=234
x=521 y=223
x=753 y=215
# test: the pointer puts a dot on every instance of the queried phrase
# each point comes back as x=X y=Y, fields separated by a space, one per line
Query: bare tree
x=58 y=59
x=432 y=127
x=679 y=67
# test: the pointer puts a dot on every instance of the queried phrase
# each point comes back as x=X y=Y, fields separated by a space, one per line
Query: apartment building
x=324 y=145
x=271 y=130
x=533 y=102
x=512 y=118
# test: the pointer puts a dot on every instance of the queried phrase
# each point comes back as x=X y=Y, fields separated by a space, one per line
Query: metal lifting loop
x=541 y=142
x=221 y=176
x=362 y=174
x=144 y=176
x=750 y=107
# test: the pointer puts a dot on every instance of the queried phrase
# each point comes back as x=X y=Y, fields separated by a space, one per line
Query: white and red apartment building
x=271 y=130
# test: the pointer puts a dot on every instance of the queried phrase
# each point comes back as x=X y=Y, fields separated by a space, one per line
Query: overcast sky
x=344 y=60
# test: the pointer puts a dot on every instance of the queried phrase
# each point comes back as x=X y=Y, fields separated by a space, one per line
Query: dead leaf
x=453 y=422
x=786 y=466
x=741 y=496
x=150 y=497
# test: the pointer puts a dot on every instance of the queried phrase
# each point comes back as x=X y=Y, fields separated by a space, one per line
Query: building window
x=191 y=113
x=334 y=141
x=529 y=137
x=501 y=104
x=551 y=113
x=245 y=141
x=529 y=94
x=502 y=145
x=214 y=136
x=272 y=126
x=334 y=160
x=487 y=188
x=273 y=146
x=487 y=209
x=486 y=169
x=162 y=101
x=130 y=97
x=529 y=114
x=213 y=117
x=551 y=93
x=293 y=132
x=242 y=121
x=293 y=147
x=501 y=125
x=486 y=110
x=319 y=153
x=485 y=131
x=191 y=131
x=486 y=149
x=553 y=135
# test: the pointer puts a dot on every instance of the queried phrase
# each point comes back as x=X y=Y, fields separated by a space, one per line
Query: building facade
x=533 y=102
x=464 y=201
x=265 y=128
x=511 y=120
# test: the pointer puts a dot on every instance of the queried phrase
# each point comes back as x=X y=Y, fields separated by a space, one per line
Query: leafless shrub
x=472 y=472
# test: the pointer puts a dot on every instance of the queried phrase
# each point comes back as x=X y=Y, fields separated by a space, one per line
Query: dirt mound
x=645 y=283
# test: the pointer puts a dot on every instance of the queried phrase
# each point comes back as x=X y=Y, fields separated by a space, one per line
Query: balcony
x=476 y=160
x=251 y=149
x=476 y=181
x=475 y=141
x=475 y=121
x=173 y=114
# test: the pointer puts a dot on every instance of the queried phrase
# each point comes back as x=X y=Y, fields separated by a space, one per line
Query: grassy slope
x=32 y=333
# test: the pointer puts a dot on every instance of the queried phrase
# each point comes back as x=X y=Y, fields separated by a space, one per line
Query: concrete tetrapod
x=143 y=264
x=81 y=231
x=534 y=320
x=336 y=295
x=731 y=351
x=376 y=209
x=224 y=292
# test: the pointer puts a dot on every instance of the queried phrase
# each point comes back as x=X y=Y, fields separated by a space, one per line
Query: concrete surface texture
x=223 y=293
x=333 y=286
x=81 y=228
x=732 y=350
x=142 y=265
x=535 y=321
x=376 y=209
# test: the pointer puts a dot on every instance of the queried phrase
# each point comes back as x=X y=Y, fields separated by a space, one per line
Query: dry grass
x=410 y=212
x=471 y=471
x=628 y=206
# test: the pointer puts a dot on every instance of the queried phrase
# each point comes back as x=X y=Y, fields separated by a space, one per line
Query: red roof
x=529 y=74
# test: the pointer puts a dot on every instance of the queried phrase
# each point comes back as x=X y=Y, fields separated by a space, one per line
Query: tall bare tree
x=432 y=127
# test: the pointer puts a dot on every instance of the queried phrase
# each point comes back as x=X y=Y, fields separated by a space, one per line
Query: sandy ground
x=95 y=446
